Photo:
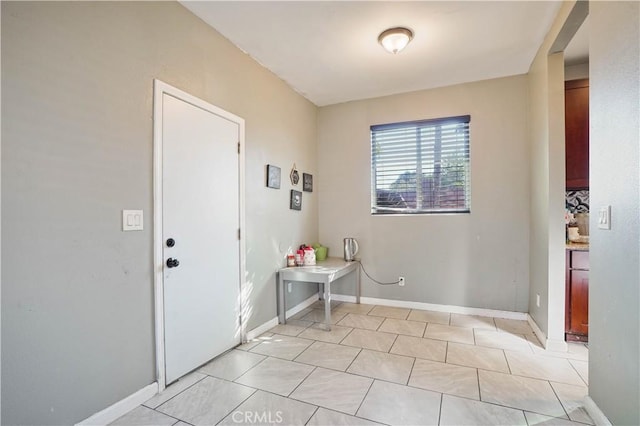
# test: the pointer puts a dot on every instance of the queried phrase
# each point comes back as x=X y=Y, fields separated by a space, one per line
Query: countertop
x=577 y=246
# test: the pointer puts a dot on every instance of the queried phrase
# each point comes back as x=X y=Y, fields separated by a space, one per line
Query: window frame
x=377 y=210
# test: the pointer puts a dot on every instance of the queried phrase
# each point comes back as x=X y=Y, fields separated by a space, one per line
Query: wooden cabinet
x=576 y=117
x=577 y=296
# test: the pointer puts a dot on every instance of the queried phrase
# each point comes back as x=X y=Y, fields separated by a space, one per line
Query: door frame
x=161 y=88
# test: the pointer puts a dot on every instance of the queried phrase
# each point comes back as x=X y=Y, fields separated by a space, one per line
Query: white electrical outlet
x=289 y=287
x=538 y=300
x=401 y=281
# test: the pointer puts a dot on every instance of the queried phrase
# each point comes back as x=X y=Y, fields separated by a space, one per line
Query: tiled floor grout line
x=178 y=420
x=266 y=357
x=346 y=335
x=251 y=387
x=504 y=354
x=313 y=414
x=353 y=360
x=440 y=409
x=315 y=367
x=214 y=377
x=277 y=395
x=393 y=343
x=182 y=391
x=577 y=372
x=411 y=370
x=378 y=328
x=526 y=419
x=365 y=397
x=237 y=406
x=559 y=400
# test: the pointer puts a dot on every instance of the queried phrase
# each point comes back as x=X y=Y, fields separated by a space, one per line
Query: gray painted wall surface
x=476 y=260
x=547 y=192
x=614 y=281
x=77 y=305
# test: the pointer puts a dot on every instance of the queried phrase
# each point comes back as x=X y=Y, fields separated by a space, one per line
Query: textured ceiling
x=328 y=51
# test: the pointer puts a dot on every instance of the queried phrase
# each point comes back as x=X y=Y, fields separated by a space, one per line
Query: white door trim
x=159 y=89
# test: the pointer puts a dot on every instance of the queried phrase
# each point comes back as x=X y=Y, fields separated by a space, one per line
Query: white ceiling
x=329 y=53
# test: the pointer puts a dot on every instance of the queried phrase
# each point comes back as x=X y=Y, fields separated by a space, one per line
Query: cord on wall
x=373 y=279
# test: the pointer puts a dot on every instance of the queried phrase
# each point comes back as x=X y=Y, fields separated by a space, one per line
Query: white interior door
x=200 y=213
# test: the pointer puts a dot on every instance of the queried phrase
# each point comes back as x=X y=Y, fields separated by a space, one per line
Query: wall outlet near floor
x=401 y=281
x=289 y=287
x=538 y=300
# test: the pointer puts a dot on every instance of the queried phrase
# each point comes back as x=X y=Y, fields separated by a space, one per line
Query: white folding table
x=323 y=273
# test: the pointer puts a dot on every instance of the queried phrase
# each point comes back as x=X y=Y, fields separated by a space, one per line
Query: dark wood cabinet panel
x=576 y=115
x=579 y=302
x=577 y=296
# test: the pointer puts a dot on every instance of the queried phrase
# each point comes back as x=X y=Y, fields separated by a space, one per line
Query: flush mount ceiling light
x=395 y=39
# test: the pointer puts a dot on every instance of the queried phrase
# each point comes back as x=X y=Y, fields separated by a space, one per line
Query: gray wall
x=614 y=281
x=547 y=192
x=477 y=260
x=77 y=305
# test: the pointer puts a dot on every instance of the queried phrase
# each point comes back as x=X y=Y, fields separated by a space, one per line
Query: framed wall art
x=273 y=176
x=307 y=182
x=296 y=200
x=295 y=176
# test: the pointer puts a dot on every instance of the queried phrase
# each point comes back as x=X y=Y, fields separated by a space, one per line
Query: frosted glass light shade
x=395 y=39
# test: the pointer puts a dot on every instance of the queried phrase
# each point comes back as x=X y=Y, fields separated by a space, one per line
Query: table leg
x=358 y=283
x=281 y=310
x=327 y=304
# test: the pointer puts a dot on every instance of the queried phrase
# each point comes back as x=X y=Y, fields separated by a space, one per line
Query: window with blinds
x=421 y=167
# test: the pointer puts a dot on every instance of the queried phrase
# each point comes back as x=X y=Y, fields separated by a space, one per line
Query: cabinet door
x=580 y=260
x=576 y=115
x=579 y=288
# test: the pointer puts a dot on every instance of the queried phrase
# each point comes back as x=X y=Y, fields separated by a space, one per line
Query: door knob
x=171 y=242
x=172 y=263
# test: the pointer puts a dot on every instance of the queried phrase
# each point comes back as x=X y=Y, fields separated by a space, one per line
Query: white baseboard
x=434 y=307
x=302 y=305
x=542 y=338
x=343 y=298
x=549 y=344
x=122 y=407
x=262 y=328
x=556 y=345
x=595 y=412
x=274 y=321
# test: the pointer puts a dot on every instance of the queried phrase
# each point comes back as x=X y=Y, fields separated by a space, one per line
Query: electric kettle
x=350 y=249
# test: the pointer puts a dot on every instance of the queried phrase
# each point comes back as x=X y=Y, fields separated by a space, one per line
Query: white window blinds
x=421 y=167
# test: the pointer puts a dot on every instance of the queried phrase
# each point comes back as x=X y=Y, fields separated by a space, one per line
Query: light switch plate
x=132 y=220
x=604 y=217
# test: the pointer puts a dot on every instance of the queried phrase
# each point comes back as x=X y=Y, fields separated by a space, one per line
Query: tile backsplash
x=577 y=201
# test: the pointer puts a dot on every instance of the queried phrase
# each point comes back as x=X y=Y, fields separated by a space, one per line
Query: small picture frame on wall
x=296 y=200
x=273 y=176
x=307 y=182
x=295 y=176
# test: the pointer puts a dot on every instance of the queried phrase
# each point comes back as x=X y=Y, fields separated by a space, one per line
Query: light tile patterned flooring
x=381 y=365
